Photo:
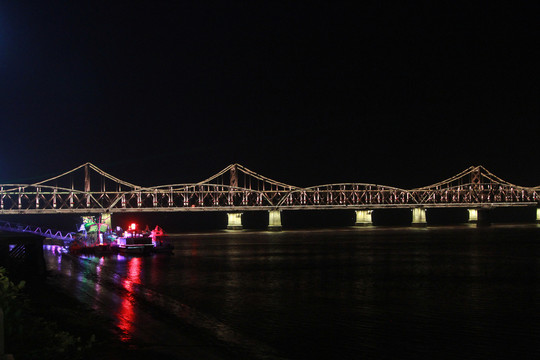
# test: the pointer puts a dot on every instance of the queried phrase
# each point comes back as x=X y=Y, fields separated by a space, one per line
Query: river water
x=353 y=293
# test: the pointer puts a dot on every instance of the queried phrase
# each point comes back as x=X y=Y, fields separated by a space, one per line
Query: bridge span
x=87 y=189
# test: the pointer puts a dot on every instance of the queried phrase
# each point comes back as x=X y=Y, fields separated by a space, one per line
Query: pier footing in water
x=234 y=221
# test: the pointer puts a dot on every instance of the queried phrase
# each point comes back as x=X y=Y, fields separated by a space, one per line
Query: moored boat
x=135 y=245
x=134 y=241
x=96 y=237
x=160 y=241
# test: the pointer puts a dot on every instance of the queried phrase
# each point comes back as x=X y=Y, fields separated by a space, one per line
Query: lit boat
x=134 y=241
x=135 y=245
x=160 y=241
x=94 y=236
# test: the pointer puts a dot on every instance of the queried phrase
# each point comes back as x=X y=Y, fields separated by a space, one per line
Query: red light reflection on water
x=126 y=314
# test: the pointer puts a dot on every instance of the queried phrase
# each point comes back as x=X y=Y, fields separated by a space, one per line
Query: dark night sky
x=314 y=92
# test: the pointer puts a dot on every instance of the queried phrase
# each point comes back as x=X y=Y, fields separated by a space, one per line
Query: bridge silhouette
x=87 y=189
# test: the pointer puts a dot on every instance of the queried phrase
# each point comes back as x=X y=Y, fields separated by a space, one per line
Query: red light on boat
x=133 y=226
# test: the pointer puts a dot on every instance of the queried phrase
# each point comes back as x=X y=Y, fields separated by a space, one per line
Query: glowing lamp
x=133 y=226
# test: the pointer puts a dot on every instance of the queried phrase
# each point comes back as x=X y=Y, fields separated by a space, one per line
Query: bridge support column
x=538 y=215
x=106 y=218
x=26 y=258
x=274 y=220
x=363 y=217
x=473 y=215
x=419 y=217
x=234 y=221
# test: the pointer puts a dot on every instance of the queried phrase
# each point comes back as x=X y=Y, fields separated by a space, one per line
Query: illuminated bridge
x=88 y=189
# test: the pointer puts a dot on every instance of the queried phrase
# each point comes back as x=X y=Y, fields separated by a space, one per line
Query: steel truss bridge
x=88 y=189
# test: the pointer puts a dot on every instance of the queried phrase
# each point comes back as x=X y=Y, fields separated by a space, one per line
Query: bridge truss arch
x=88 y=189
x=354 y=195
x=35 y=198
x=476 y=186
x=191 y=197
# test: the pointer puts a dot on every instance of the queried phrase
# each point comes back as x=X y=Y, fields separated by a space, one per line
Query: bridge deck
x=263 y=208
x=88 y=189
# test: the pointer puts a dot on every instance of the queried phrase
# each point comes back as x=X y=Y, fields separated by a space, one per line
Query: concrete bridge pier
x=274 y=220
x=473 y=215
x=234 y=221
x=23 y=254
x=106 y=218
x=363 y=218
x=419 y=217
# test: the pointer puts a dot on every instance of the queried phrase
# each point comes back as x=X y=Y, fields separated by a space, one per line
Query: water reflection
x=338 y=294
x=126 y=314
x=99 y=267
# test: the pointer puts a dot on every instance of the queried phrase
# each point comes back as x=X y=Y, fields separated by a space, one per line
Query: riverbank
x=55 y=305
